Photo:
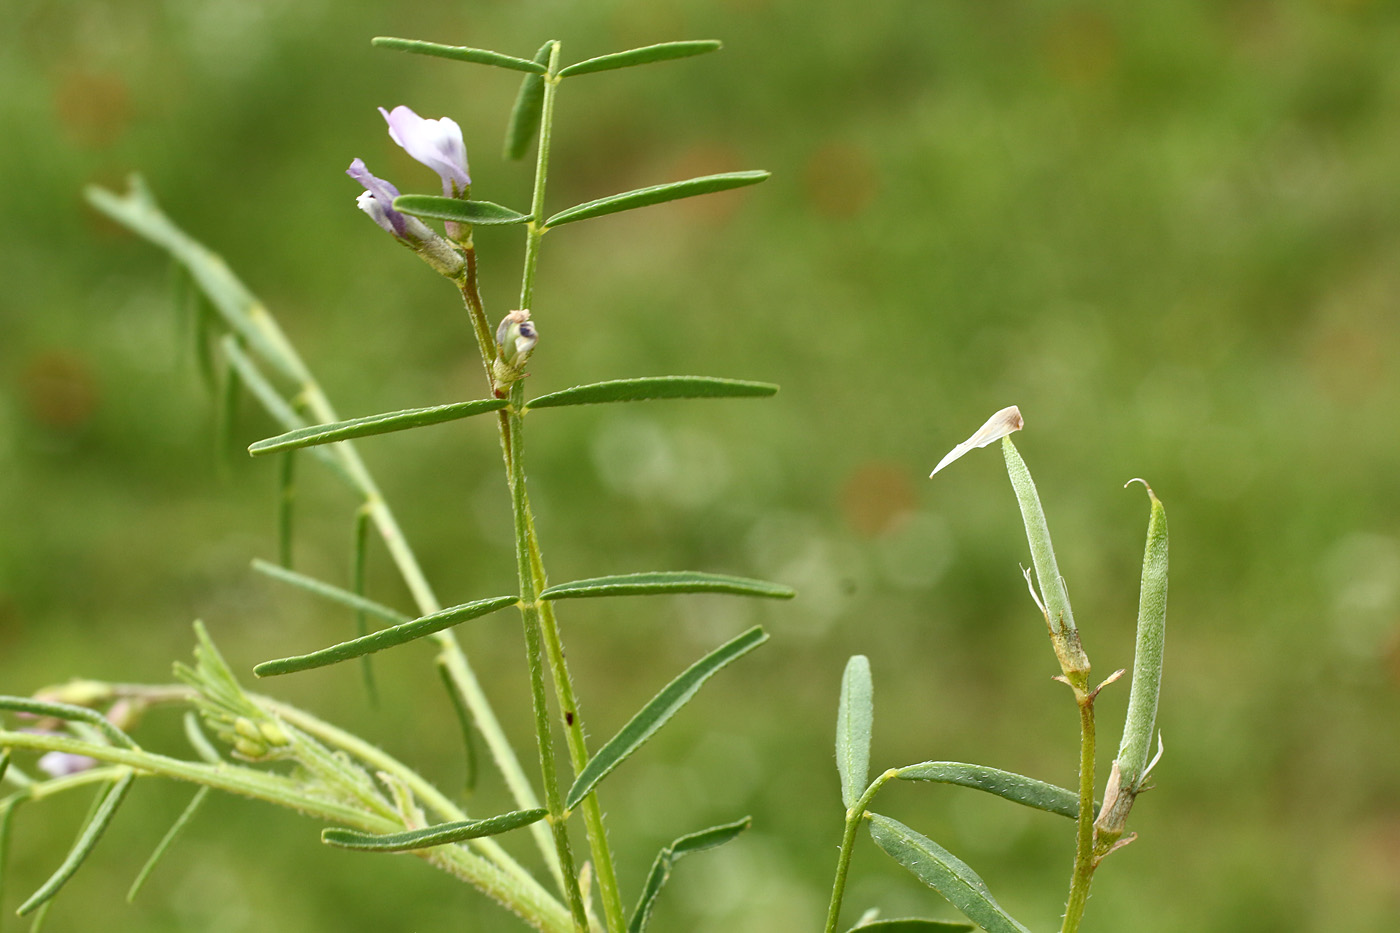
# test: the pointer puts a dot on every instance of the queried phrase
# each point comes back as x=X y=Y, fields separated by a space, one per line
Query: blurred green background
x=1170 y=232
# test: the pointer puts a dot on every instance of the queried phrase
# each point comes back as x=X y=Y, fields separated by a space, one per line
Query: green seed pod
x=1131 y=766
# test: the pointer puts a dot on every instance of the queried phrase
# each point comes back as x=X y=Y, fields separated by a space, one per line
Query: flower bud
x=273 y=733
x=515 y=341
x=62 y=764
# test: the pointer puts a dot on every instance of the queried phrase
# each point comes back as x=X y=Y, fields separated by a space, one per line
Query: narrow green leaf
x=385 y=638
x=458 y=53
x=656 y=194
x=226 y=418
x=201 y=328
x=333 y=593
x=439 y=835
x=87 y=839
x=855 y=715
x=7 y=813
x=286 y=501
x=180 y=823
x=661 y=52
x=68 y=711
x=464 y=719
x=358 y=561
x=666 y=860
x=476 y=213
x=384 y=423
x=1014 y=787
x=4 y=763
x=648 y=388
x=911 y=925
x=658 y=712
x=1141 y=719
x=938 y=868
x=529 y=103
x=681 y=581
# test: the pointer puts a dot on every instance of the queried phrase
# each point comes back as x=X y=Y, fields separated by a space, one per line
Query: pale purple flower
x=436 y=143
x=377 y=200
x=62 y=764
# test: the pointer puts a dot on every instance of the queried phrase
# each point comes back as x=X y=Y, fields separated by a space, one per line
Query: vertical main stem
x=529 y=611
x=528 y=541
x=1084 y=842
x=603 y=866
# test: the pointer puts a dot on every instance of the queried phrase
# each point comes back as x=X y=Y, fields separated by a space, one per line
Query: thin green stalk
x=1084 y=824
x=843 y=861
x=520 y=894
x=529 y=611
x=535 y=228
x=604 y=870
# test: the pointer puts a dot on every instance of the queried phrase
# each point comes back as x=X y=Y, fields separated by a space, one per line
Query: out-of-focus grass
x=1169 y=232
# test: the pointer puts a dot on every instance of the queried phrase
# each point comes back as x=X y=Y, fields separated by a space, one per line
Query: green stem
x=529 y=611
x=848 y=839
x=1084 y=863
x=520 y=894
x=535 y=229
x=605 y=872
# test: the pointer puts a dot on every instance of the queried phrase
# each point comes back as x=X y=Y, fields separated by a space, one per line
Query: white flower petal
x=1004 y=422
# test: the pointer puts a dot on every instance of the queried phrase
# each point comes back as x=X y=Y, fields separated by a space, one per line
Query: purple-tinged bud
x=62 y=764
x=377 y=200
x=436 y=143
x=515 y=341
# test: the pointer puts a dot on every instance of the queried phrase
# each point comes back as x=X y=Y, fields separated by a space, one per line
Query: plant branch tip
x=1145 y=485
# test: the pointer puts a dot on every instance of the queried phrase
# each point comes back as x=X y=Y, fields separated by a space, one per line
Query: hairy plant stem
x=848 y=840
x=530 y=614
x=528 y=546
x=1084 y=862
x=517 y=892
